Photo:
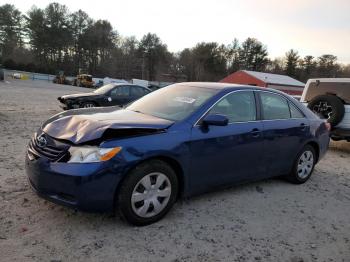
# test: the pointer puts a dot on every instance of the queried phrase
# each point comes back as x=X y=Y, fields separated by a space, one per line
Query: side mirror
x=215 y=120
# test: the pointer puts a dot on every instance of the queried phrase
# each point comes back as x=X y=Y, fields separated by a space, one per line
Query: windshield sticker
x=184 y=99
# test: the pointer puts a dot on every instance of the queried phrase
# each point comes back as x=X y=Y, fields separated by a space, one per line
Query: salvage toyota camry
x=179 y=141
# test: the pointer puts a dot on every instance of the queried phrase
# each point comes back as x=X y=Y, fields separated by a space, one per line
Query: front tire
x=88 y=105
x=303 y=165
x=148 y=193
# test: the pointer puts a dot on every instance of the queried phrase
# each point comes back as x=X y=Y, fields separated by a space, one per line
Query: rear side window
x=237 y=107
x=137 y=91
x=274 y=106
x=294 y=111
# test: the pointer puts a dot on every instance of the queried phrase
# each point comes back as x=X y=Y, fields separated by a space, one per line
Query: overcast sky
x=313 y=27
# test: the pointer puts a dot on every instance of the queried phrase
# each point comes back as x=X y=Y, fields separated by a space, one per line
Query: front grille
x=53 y=150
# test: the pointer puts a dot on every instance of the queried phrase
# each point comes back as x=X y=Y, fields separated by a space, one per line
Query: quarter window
x=237 y=107
x=274 y=106
x=294 y=111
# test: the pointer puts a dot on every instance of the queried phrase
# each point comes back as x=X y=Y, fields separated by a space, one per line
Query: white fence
x=47 y=77
x=28 y=75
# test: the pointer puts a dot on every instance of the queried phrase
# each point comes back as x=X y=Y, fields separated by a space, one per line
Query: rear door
x=222 y=155
x=285 y=129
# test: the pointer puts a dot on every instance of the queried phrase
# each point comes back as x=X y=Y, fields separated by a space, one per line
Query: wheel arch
x=316 y=147
x=178 y=170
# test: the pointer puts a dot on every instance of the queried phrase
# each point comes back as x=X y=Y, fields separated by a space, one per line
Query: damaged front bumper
x=88 y=187
x=67 y=104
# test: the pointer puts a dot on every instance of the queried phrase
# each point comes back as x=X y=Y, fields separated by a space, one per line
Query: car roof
x=128 y=84
x=335 y=80
x=225 y=86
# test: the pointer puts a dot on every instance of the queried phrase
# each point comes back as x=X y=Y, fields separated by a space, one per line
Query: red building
x=280 y=82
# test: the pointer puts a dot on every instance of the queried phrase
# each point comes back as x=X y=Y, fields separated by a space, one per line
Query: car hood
x=72 y=96
x=83 y=125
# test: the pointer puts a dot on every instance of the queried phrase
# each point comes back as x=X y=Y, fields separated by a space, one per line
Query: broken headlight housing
x=91 y=154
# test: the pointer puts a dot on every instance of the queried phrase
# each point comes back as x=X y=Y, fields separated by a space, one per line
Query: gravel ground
x=270 y=220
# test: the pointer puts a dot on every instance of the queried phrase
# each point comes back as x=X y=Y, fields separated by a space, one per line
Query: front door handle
x=255 y=132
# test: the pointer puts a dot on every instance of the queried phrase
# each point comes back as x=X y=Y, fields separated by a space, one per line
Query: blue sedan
x=179 y=141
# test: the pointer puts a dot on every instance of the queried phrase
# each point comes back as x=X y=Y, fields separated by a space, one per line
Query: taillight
x=328 y=126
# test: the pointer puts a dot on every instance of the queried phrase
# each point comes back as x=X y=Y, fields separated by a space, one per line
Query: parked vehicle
x=60 y=78
x=83 y=80
x=178 y=141
x=330 y=99
x=17 y=76
x=108 y=95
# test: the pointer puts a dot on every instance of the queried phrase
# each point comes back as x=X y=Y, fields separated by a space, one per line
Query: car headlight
x=90 y=154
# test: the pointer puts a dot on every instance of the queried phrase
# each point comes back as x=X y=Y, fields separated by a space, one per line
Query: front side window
x=274 y=106
x=237 y=107
x=121 y=91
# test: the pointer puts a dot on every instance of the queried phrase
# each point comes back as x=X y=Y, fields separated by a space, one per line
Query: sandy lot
x=270 y=220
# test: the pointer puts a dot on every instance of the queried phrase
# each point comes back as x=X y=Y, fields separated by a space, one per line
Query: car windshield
x=175 y=102
x=104 y=89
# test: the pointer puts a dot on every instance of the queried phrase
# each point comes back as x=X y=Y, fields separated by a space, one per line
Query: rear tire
x=329 y=107
x=147 y=193
x=303 y=165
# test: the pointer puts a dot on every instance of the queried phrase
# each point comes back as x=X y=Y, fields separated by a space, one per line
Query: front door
x=223 y=155
x=119 y=96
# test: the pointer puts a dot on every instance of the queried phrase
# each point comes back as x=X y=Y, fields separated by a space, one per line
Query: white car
x=330 y=99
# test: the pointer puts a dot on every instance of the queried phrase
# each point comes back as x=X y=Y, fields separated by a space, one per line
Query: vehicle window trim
x=223 y=97
x=257 y=105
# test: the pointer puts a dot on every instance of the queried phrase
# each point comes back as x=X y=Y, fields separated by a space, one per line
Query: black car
x=108 y=95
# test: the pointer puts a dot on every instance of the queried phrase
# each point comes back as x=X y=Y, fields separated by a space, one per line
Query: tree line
x=52 y=39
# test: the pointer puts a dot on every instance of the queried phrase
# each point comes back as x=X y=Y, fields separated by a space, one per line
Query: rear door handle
x=303 y=126
x=255 y=132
